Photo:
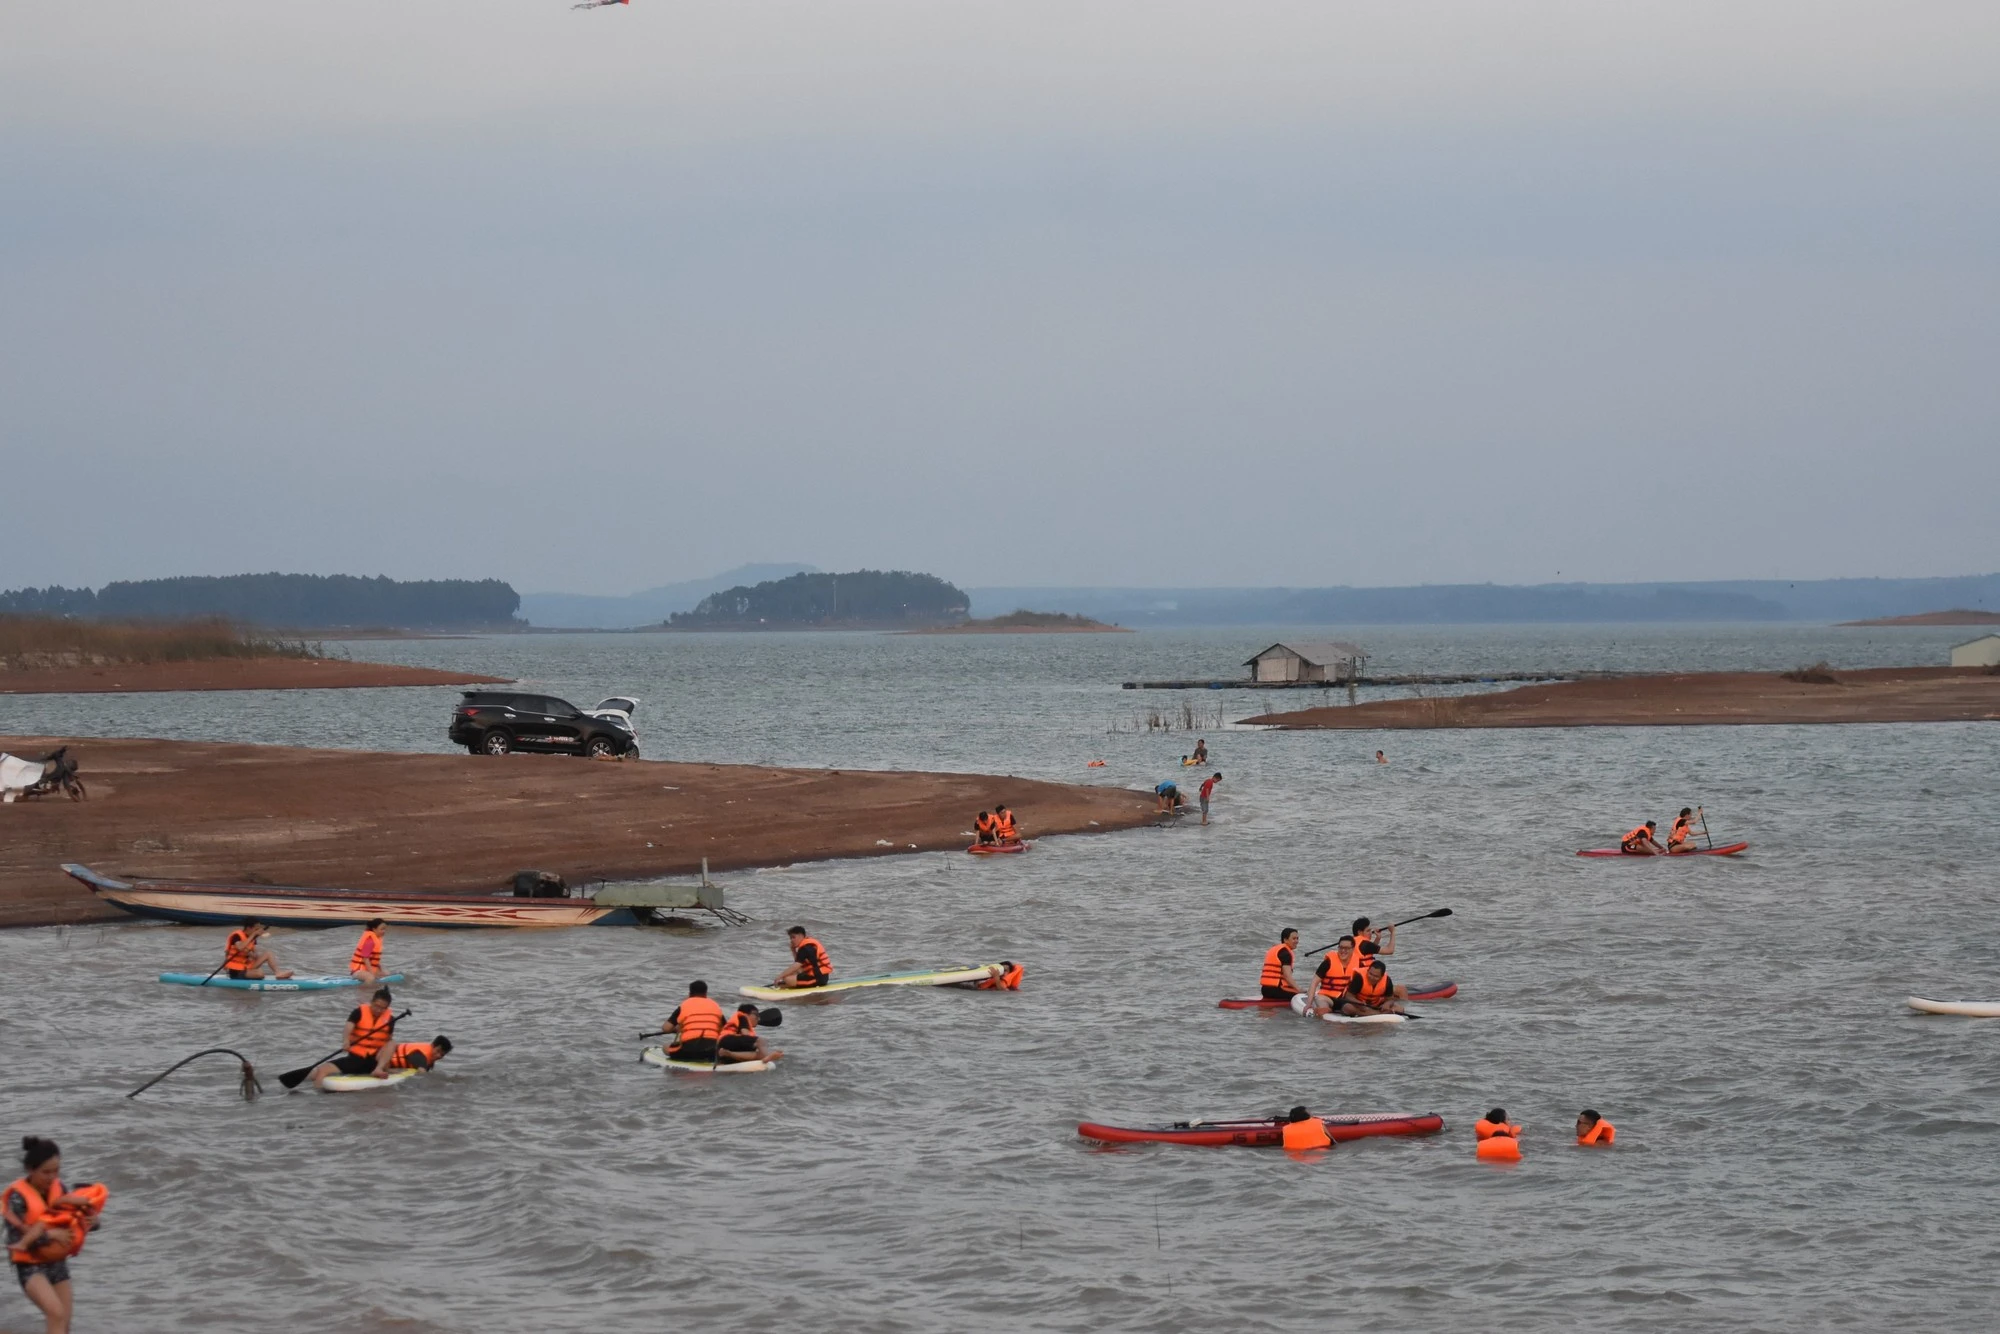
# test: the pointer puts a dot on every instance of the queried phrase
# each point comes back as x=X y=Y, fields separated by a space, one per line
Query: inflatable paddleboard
x=1428 y=991
x=300 y=983
x=658 y=1056
x=1726 y=850
x=957 y=976
x=1970 y=1009
x=365 y=1083
x=1263 y=1133
x=998 y=849
x=1300 y=1005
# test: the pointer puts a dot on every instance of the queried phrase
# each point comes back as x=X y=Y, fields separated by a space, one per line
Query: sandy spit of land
x=1875 y=695
x=228 y=674
x=343 y=819
x=1022 y=630
x=1957 y=616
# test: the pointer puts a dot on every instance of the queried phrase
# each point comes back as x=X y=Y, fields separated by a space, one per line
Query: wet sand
x=1697 y=699
x=229 y=674
x=333 y=818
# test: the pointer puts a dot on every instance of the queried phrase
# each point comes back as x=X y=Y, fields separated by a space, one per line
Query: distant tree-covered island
x=859 y=600
x=286 y=601
x=1024 y=622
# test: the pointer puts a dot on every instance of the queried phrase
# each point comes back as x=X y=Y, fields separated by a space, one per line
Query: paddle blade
x=1442 y=912
x=771 y=1018
x=291 y=1079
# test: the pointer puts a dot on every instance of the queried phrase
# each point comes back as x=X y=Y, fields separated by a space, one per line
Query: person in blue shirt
x=1169 y=793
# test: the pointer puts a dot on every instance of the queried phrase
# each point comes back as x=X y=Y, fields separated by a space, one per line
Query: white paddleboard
x=658 y=1056
x=1971 y=1009
x=365 y=1083
x=1300 y=1004
x=958 y=975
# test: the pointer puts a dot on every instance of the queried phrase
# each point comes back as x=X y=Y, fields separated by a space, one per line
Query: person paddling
x=1679 y=838
x=696 y=1024
x=366 y=962
x=810 y=966
x=1304 y=1131
x=739 y=1038
x=1335 y=971
x=369 y=1028
x=1642 y=841
x=421 y=1056
x=244 y=955
x=1382 y=938
x=1370 y=991
x=1277 y=976
x=1207 y=791
x=41 y=1219
x=1593 y=1130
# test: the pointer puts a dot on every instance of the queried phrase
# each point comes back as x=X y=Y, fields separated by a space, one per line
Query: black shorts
x=739 y=1042
x=694 y=1049
x=1278 y=994
x=237 y=974
x=55 y=1271
x=351 y=1064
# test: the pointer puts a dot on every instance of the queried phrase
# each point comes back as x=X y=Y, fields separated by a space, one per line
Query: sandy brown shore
x=1022 y=630
x=229 y=674
x=1875 y=695
x=333 y=818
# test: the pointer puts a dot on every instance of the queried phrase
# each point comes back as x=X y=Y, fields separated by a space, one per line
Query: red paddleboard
x=1726 y=850
x=1267 y=1133
x=1429 y=991
x=997 y=849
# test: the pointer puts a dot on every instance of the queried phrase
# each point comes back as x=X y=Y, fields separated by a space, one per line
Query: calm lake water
x=1796 y=1150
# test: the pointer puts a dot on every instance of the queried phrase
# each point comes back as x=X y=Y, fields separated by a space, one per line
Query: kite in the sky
x=599 y=4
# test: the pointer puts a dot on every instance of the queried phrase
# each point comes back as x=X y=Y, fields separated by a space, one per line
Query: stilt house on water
x=1332 y=663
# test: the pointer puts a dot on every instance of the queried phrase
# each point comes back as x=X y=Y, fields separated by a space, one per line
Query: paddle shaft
x=1441 y=912
x=1704 y=826
x=291 y=1079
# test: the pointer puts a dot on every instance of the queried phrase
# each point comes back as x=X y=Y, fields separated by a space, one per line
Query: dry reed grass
x=30 y=643
x=1818 y=674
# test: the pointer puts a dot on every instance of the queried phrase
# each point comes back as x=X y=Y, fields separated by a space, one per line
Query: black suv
x=498 y=722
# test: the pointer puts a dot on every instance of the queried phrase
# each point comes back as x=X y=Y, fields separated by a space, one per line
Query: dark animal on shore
x=58 y=772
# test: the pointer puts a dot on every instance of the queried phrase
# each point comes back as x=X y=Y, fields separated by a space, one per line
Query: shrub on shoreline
x=45 y=643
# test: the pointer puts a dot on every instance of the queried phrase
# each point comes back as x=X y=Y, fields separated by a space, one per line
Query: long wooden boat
x=202 y=903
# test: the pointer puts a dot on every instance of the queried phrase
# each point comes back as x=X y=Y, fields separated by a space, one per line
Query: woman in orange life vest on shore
x=1499 y=1139
x=739 y=1040
x=696 y=1024
x=1370 y=991
x=366 y=962
x=1305 y=1131
x=1642 y=841
x=810 y=966
x=1335 y=971
x=369 y=1028
x=45 y=1225
x=244 y=956
x=1594 y=1130
x=1276 y=979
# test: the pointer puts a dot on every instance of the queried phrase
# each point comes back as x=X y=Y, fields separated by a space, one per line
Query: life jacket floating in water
x=1499 y=1149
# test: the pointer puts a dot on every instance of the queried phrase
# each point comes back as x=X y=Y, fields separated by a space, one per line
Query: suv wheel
x=600 y=748
x=496 y=742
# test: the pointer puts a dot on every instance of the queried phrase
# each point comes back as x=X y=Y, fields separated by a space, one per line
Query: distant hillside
x=582 y=611
x=1956 y=616
x=287 y=601
x=862 y=598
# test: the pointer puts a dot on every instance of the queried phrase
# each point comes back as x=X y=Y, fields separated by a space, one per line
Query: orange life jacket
x=371 y=1032
x=985 y=824
x=1274 y=968
x=367 y=954
x=1637 y=838
x=1601 y=1133
x=1372 y=991
x=1683 y=831
x=1499 y=1149
x=700 y=1018
x=1334 y=981
x=1495 y=1129
x=238 y=952
x=1307 y=1134
x=400 y=1058
x=1008 y=980
x=78 y=1218
x=742 y=1022
x=821 y=967
x=1005 y=825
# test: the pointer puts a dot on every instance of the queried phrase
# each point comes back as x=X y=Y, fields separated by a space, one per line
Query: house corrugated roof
x=1324 y=655
x=1967 y=644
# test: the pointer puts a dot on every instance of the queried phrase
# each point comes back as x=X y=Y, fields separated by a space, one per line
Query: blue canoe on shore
x=299 y=983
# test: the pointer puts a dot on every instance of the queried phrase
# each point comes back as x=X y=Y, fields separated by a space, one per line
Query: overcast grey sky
x=1237 y=292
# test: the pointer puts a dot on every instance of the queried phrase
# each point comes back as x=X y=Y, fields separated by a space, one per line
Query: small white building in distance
x=1307 y=662
x=1982 y=652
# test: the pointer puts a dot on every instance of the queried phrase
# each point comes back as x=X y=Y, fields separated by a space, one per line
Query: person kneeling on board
x=1643 y=841
x=810 y=966
x=369 y=1028
x=1335 y=971
x=1277 y=977
x=1594 y=1130
x=987 y=828
x=696 y=1024
x=422 y=1056
x=366 y=962
x=1303 y=1130
x=244 y=956
x=739 y=1040
x=1681 y=837
x=1370 y=991
x=1003 y=826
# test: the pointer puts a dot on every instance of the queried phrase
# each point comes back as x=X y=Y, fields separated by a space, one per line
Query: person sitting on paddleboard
x=244 y=955
x=1643 y=841
x=1383 y=939
x=1680 y=836
x=696 y=1023
x=1003 y=826
x=739 y=1038
x=369 y=1028
x=1370 y=991
x=810 y=966
x=422 y=1056
x=1277 y=978
x=366 y=962
x=987 y=828
x=1335 y=971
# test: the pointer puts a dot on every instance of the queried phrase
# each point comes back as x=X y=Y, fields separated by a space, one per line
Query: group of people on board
x=996 y=826
x=1351 y=979
x=702 y=1032
x=245 y=956
x=368 y=1046
x=1643 y=841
